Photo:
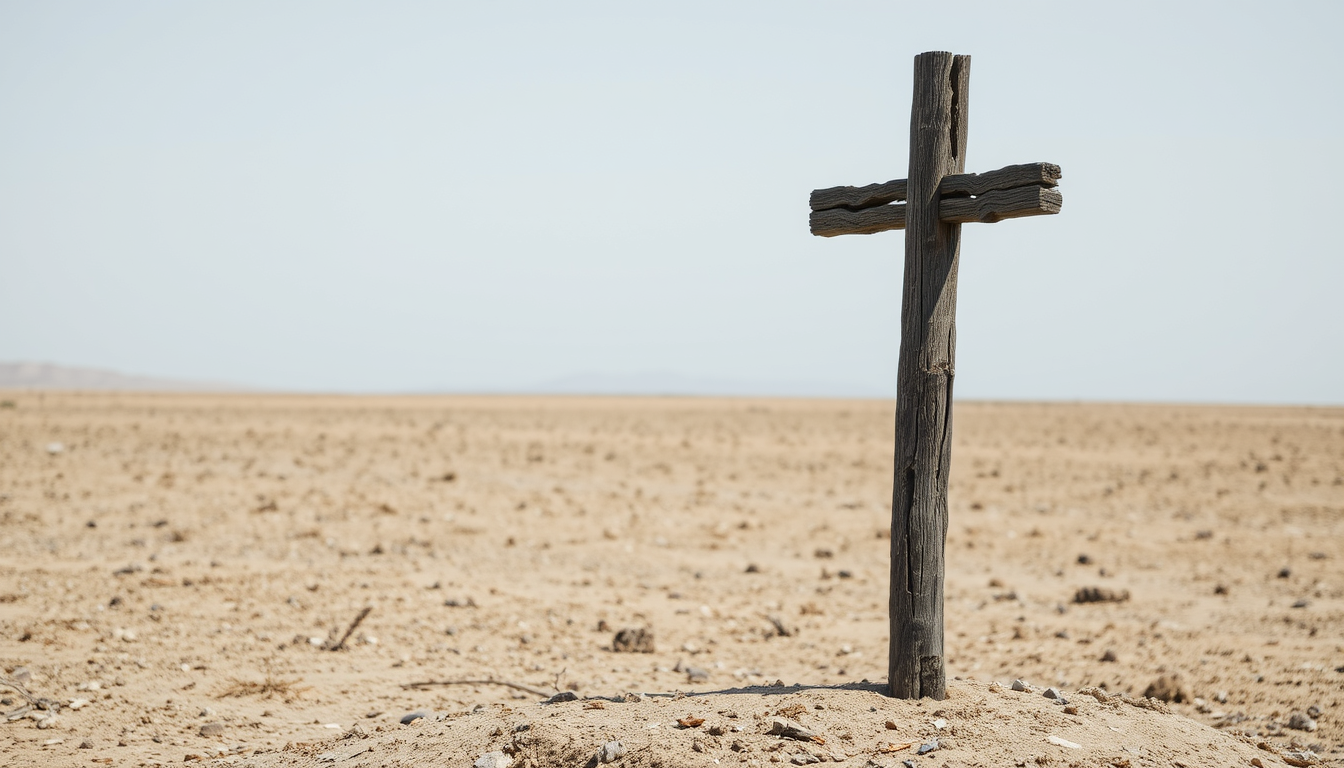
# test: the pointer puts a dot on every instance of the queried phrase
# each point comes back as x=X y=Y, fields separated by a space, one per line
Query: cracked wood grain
x=858 y=198
x=915 y=664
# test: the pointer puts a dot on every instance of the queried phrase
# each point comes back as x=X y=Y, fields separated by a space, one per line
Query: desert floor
x=175 y=569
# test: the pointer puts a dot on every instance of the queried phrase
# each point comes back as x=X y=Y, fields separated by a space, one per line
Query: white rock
x=493 y=760
x=1058 y=742
x=78 y=703
x=1301 y=722
x=610 y=752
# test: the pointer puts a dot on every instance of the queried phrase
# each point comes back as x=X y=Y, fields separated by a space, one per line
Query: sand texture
x=177 y=571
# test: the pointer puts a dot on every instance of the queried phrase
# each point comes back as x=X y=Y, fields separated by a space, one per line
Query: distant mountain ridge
x=34 y=375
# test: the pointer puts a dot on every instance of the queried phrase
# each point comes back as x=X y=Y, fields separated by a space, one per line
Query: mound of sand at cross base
x=979 y=724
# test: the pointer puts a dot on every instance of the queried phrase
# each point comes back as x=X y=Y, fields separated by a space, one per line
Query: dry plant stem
x=267 y=688
x=18 y=687
x=517 y=686
x=341 y=643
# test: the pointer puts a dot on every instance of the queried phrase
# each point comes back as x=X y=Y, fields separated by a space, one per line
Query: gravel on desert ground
x=259 y=580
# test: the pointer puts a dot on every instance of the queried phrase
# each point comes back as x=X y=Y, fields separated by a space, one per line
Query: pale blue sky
x=401 y=196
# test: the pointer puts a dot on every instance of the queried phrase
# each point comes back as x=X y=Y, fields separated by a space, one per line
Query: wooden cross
x=938 y=198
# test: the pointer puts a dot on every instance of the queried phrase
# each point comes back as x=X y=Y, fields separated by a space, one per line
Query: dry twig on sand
x=33 y=702
x=266 y=688
x=517 y=686
x=18 y=687
x=341 y=643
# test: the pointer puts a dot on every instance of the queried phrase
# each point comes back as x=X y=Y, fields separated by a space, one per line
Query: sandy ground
x=174 y=570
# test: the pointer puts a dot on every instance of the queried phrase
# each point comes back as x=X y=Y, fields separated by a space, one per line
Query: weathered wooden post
x=939 y=198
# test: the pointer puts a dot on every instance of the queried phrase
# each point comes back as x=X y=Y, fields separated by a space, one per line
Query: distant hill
x=28 y=375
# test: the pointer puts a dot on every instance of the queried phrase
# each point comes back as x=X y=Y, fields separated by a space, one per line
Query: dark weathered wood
x=987 y=208
x=999 y=205
x=1008 y=193
x=1011 y=177
x=957 y=184
x=939 y=197
x=855 y=198
x=915 y=665
x=841 y=221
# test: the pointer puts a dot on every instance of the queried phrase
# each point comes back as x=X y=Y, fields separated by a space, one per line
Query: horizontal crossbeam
x=1008 y=193
x=987 y=208
x=1000 y=204
x=842 y=221
x=856 y=198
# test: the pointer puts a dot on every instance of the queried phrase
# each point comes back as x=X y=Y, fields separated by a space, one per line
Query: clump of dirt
x=1100 y=595
x=633 y=640
x=1168 y=688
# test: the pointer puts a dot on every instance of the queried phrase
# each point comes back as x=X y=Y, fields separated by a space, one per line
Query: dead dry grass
x=269 y=687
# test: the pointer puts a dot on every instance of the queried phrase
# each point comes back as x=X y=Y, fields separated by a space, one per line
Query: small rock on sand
x=780 y=726
x=212 y=729
x=562 y=697
x=1021 y=685
x=1301 y=722
x=493 y=760
x=1100 y=595
x=412 y=717
x=1167 y=688
x=610 y=752
x=695 y=674
x=633 y=640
